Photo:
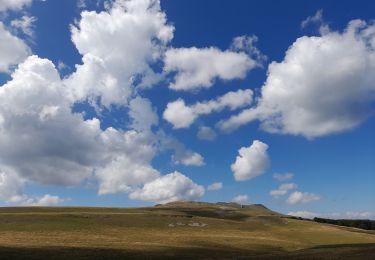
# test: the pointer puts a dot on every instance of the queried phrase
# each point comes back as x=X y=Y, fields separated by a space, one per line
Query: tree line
x=356 y=223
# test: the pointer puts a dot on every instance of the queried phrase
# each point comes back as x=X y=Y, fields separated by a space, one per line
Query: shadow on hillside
x=362 y=251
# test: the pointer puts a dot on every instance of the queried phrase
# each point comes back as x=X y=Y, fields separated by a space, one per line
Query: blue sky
x=139 y=79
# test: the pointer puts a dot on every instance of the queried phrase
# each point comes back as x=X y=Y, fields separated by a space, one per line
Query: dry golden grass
x=215 y=231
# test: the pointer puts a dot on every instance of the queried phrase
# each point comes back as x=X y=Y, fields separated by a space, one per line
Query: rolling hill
x=179 y=230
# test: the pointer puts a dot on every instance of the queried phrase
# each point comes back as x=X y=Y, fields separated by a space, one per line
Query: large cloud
x=251 y=161
x=13 y=50
x=40 y=137
x=182 y=116
x=171 y=187
x=324 y=85
x=43 y=141
x=119 y=47
x=196 y=68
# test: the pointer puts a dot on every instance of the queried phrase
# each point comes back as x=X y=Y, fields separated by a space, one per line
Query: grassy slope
x=224 y=230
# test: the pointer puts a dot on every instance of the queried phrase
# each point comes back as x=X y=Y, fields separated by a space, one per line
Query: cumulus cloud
x=191 y=159
x=215 y=186
x=283 y=189
x=171 y=187
x=206 y=133
x=199 y=68
x=54 y=141
x=283 y=176
x=59 y=147
x=13 y=50
x=298 y=197
x=13 y=4
x=345 y=215
x=25 y=24
x=251 y=161
x=44 y=141
x=241 y=199
x=136 y=32
x=324 y=85
x=181 y=115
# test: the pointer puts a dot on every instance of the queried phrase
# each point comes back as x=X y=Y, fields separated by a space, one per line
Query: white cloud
x=324 y=85
x=192 y=159
x=206 y=133
x=298 y=197
x=283 y=189
x=171 y=187
x=345 y=215
x=199 y=68
x=251 y=161
x=46 y=200
x=136 y=33
x=241 y=199
x=13 y=4
x=57 y=147
x=178 y=114
x=44 y=142
x=215 y=186
x=61 y=148
x=25 y=24
x=182 y=116
x=283 y=176
x=13 y=50
x=187 y=157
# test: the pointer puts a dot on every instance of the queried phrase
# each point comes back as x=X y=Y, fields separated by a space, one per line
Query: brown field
x=177 y=230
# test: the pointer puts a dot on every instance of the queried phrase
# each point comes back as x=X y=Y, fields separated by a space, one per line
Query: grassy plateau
x=180 y=230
